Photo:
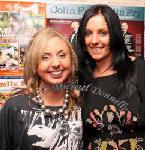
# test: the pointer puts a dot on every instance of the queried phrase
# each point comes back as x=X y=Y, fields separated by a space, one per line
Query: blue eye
x=104 y=33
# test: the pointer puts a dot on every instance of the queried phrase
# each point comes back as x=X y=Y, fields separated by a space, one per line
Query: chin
x=97 y=59
x=54 y=81
x=59 y=81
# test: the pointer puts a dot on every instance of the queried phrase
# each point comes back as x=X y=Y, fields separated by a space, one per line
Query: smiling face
x=55 y=62
x=97 y=38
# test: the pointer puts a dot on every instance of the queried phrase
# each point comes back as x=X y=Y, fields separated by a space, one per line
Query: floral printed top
x=114 y=123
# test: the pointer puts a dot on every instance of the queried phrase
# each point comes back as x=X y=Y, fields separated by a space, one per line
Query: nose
x=95 y=38
x=55 y=62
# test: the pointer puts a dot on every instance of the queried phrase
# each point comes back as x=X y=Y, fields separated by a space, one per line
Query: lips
x=96 y=48
x=56 y=73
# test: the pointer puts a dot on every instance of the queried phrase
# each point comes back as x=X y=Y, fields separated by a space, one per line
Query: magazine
x=19 y=21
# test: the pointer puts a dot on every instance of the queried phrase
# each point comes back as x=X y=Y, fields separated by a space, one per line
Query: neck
x=52 y=97
x=103 y=68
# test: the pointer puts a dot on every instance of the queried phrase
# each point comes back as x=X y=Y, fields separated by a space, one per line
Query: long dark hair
x=120 y=59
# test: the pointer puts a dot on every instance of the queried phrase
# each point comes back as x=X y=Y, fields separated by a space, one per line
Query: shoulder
x=16 y=101
x=140 y=59
x=140 y=70
x=140 y=64
x=140 y=67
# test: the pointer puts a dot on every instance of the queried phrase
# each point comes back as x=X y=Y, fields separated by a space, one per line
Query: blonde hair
x=35 y=49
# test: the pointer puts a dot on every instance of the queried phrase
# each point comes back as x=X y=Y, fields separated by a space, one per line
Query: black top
x=23 y=126
x=110 y=122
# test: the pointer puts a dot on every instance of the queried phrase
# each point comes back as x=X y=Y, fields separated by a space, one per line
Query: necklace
x=48 y=111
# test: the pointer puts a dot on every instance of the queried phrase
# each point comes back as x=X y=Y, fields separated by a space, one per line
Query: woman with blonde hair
x=46 y=115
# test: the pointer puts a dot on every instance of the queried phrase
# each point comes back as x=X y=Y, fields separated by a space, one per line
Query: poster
x=19 y=21
x=8 y=85
x=61 y=17
x=133 y=19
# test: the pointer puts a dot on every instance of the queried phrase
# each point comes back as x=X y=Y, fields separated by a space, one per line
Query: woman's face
x=97 y=38
x=55 y=62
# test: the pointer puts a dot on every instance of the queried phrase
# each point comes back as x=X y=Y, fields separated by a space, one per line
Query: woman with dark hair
x=114 y=104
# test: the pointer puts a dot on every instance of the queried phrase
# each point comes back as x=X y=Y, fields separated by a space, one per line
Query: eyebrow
x=61 y=51
x=100 y=30
x=47 y=53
